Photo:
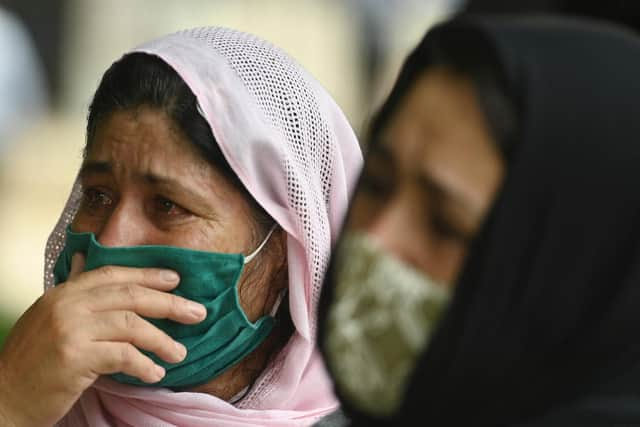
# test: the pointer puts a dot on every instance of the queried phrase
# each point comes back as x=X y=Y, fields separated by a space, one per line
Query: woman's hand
x=83 y=328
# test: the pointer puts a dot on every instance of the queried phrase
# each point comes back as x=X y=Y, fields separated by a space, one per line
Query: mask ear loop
x=253 y=254
x=276 y=306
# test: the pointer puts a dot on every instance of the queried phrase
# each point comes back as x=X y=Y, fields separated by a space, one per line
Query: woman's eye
x=375 y=185
x=445 y=229
x=167 y=207
x=95 y=199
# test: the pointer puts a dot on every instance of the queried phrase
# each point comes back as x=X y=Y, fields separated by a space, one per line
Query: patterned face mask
x=382 y=317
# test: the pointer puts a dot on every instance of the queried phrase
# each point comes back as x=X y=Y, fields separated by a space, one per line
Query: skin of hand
x=83 y=328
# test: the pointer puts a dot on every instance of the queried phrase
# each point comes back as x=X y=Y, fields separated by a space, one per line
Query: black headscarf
x=544 y=326
x=623 y=12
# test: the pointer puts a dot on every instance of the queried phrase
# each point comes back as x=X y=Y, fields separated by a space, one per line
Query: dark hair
x=467 y=52
x=140 y=79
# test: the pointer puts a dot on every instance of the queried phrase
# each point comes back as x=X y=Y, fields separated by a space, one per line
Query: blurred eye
x=446 y=229
x=96 y=201
x=167 y=207
x=378 y=176
x=375 y=185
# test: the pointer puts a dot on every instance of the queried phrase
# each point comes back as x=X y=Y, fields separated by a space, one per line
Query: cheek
x=438 y=254
x=206 y=235
x=202 y=235
x=82 y=223
x=445 y=260
x=406 y=232
x=89 y=219
x=230 y=231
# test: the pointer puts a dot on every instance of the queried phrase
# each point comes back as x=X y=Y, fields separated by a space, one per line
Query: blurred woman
x=489 y=269
x=188 y=260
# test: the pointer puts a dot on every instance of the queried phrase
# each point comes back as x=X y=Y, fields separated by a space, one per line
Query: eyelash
x=162 y=202
x=91 y=195
x=95 y=199
x=379 y=187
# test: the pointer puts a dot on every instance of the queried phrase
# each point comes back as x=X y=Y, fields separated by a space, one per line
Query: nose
x=124 y=227
x=392 y=229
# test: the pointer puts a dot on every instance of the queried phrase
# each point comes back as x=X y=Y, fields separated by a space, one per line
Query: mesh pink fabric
x=294 y=150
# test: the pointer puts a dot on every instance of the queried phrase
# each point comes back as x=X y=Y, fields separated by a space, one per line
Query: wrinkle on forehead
x=152 y=143
x=440 y=131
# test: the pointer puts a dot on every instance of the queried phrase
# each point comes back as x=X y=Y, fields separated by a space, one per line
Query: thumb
x=77 y=264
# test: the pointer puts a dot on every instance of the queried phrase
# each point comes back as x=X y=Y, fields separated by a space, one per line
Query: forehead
x=440 y=130
x=439 y=112
x=142 y=131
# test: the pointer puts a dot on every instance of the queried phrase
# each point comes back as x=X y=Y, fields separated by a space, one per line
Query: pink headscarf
x=295 y=152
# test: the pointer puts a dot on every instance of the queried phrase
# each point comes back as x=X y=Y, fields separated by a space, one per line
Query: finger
x=154 y=278
x=127 y=326
x=114 y=357
x=146 y=302
x=77 y=264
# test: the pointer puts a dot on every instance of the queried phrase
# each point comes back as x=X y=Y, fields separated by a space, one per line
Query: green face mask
x=213 y=345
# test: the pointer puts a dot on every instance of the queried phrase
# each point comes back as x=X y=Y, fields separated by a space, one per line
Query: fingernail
x=170 y=276
x=181 y=351
x=197 y=310
x=159 y=370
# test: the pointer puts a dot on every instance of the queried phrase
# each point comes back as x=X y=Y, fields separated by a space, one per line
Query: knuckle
x=109 y=272
x=150 y=370
x=147 y=276
x=132 y=361
x=116 y=359
x=111 y=364
x=125 y=356
x=131 y=293
x=67 y=353
x=130 y=320
x=162 y=341
x=176 y=305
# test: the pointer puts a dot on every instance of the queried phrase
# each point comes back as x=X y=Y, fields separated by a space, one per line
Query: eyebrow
x=175 y=186
x=444 y=192
x=93 y=167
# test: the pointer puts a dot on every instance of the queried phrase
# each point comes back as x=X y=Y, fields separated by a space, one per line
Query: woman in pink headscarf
x=183 y=275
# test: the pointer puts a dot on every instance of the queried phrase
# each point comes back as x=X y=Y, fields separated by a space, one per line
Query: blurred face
x=430 y=176
x=428 y=181
x=146 y=184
